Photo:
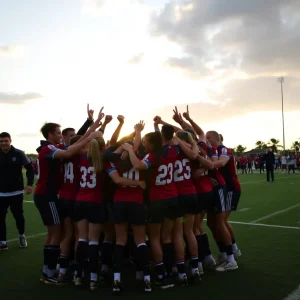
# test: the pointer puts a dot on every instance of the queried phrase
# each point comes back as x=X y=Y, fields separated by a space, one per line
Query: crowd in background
x=284 y=162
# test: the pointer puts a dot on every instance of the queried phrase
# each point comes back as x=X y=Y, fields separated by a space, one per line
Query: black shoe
x=195 y=278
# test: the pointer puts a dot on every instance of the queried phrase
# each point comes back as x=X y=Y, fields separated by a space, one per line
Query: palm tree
x=260 y=145
x=274 y=144
x=240 y=149
x=296 y=146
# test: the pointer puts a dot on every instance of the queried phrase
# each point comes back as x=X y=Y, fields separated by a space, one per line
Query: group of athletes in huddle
x=156 y=188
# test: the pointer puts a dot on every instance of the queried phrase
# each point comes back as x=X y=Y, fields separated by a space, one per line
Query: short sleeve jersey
x=161 y=166
x=91 y=184
x=50 y=171
x=126 y=193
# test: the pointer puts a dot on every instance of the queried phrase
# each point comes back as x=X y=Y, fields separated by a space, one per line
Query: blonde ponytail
x=95 y=154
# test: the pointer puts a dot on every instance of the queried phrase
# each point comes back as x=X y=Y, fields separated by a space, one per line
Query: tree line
x=273 y=143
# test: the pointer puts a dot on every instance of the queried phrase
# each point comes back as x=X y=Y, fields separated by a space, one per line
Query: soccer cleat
x=51 y=280
x=147 y=286
x=43 y=277
x=227 y=267
x=117 y=287
x=237 y=254
x=195 y=278
x=78 y=281
x=3 y=246
x=209 y=263
x=94 y=285
x=163 y=283
x=22 y=241
x=183 y=281
x=200 y=270
x=220 y=260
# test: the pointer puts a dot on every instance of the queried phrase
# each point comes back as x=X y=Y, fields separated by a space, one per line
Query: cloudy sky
x=141 y=57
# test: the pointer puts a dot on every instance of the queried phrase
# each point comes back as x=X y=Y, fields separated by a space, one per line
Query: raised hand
x=177 y=116
x=139 y=126
x=120 y=118
x=157 y=120
x=108 y=119
x=186 y=114
x=95 y=135
x=90 y=112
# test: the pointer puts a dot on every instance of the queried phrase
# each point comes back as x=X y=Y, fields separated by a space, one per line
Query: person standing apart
x=12 y=161
x=270 y=161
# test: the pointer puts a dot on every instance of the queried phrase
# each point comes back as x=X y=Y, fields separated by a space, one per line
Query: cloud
x=253 y=36
x=136 y=59
x=237 y=48
x=15 y=98
x=11 y=50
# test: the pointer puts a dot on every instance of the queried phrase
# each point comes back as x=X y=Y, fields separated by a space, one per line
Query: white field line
x=276 y=179
x=233 y=222
x=275 y=213
x=263 y=225
x=295 y=295
x=28 y=237
x=28 y=201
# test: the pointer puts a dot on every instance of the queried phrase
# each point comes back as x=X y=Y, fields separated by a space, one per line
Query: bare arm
x=116 y=134
x=190 y=153
x=117 y=179
x=158 y=120
x=136 y=163
x=197 y=128
x=221 y=162
x=138 y=137
x=74 y=149
x=179 y=120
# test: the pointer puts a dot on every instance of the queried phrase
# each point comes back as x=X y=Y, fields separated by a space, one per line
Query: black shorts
x=93 y=212
x=232 y=200
x=188 y=204
x=220 y=199
x=205 y=202
x=49 y=209
x=128 y=212
x=67 y=208
x=160 y=209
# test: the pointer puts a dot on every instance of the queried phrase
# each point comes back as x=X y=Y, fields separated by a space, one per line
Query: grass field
x=267 y=227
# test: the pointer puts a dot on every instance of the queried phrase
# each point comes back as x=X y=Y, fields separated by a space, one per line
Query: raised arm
x=115 y=136
x=93 y=128
x=138 y=137
x=179 y=120
x=197 y=128
x=83 y=129
x=158 y=120
x=75 y=148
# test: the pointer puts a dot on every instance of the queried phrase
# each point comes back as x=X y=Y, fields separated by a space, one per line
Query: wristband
x=102 y=130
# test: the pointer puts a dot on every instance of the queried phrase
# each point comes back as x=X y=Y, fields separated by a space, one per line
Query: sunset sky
x=140 y=58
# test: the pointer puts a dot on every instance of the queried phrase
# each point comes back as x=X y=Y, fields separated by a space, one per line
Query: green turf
x=267 y=269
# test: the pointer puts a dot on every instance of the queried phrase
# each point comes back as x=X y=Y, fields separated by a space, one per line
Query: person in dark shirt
x=12 y=161
x=262 y=163
x=270 y=162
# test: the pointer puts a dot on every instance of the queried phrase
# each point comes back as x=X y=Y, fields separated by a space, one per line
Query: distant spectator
x=270 y=162
x=12 y=161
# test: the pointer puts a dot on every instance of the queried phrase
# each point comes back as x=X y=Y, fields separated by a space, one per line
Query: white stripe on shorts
x=221 y=195
x=54 y=213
